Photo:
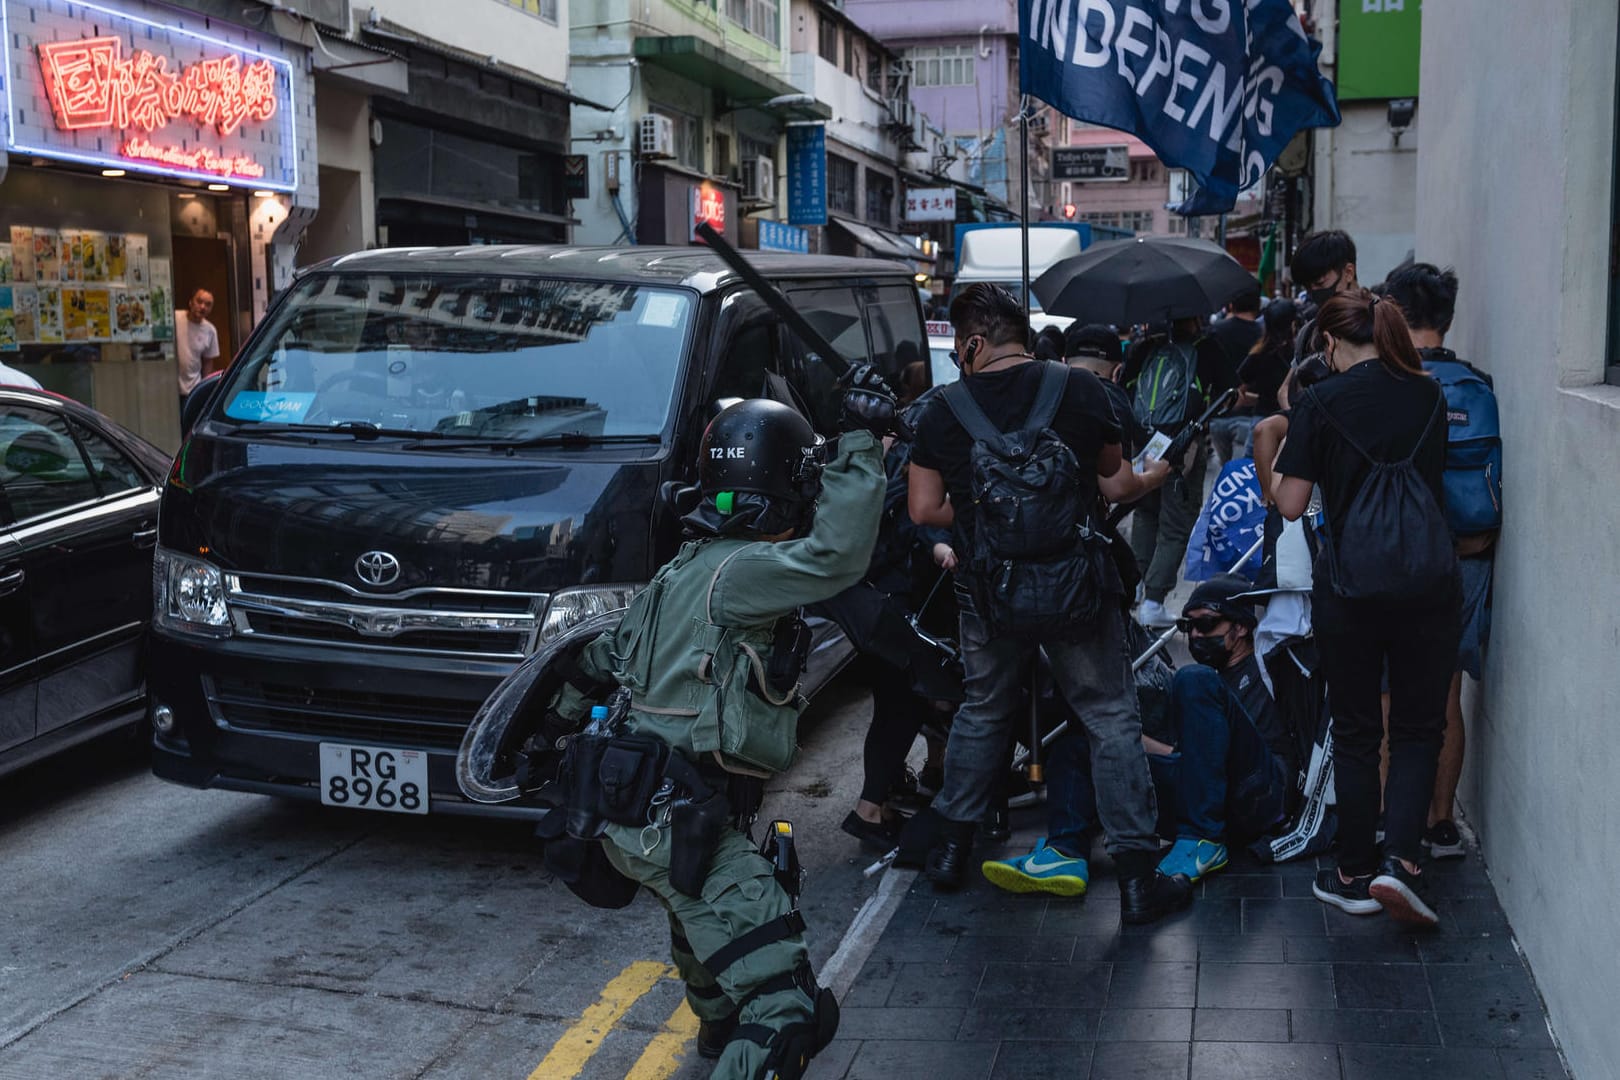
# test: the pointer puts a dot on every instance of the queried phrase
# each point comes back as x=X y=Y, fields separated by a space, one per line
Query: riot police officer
x=705 y=664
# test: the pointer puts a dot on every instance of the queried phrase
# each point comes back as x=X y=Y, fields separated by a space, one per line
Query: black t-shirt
x=1085 y=421
x=1265 y=373
x=1237 y=337
x=1385 y=413
x=1133 y=436
x=1244 y=680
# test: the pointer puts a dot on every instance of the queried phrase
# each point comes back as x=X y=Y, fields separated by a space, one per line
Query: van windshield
x=480 y=357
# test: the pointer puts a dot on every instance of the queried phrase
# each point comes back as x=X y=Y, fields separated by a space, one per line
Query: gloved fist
x=868 y=403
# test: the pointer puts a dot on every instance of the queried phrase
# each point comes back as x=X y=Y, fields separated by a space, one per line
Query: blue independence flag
x=1216 y=87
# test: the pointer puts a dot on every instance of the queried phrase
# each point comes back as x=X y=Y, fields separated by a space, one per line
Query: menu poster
x=137 y=311
x=124 y=321
x=75 y=321
x=116 y=261
x=50 y=314
x=47 y=255
x=22 y=253
x=25 y=305
x=162 y=304
x=93 y=255
x=98 y=313
x=138 y=275
x=8 y=321
x=72 y=269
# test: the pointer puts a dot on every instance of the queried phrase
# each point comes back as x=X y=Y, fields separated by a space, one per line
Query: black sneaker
x=1444 y=841
x=879 y=837
x=1348 y=896
x=996 y=828
x=948 y=863
x=1400 y=892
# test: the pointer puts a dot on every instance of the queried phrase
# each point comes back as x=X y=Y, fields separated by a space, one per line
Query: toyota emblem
x=377 y=568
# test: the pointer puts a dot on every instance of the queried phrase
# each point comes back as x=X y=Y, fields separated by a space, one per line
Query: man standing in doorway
x=195 y=341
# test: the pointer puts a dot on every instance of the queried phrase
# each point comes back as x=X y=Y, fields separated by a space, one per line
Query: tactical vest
x=689 y=676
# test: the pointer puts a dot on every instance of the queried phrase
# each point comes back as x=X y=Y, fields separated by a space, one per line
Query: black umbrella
x=1142 y=280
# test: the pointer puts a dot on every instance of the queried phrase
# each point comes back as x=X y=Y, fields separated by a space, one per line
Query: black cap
x=1222 y=593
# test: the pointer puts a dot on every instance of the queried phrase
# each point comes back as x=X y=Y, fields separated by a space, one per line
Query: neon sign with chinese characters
x=109 y=87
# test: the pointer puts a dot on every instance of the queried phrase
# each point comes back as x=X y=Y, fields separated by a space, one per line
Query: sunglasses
x=1204 y=624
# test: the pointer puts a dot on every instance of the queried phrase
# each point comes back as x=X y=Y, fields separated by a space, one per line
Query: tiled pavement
x=1257 y=980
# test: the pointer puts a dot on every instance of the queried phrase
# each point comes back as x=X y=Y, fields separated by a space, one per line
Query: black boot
x=1149 y=897
x=713 y=1035
x=948 y=858
x=997 y=829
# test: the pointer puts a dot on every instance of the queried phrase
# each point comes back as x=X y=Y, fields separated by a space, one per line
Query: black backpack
x=1035 y=568
x=1394 y=543
x=1167 y=392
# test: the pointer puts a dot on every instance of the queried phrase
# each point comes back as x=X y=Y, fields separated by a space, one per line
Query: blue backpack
x=1473 y=479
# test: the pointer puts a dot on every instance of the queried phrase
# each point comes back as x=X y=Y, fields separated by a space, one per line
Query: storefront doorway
x=205 y=263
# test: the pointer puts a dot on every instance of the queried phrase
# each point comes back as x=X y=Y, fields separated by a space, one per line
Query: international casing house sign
x=121 y=88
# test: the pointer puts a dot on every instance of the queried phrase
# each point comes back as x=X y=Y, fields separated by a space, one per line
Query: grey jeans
x=1160 y=525
x=1093 y=674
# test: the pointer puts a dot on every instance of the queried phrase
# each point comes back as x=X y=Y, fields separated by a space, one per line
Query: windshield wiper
x=362 y=430
x=550 y=439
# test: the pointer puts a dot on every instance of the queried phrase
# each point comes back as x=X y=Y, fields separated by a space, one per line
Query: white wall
x=858 y=113
x=1514 y=188
x=1367 y=186
x=485 y=28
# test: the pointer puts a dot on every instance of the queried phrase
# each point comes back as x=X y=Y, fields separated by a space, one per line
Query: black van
x=426 y=464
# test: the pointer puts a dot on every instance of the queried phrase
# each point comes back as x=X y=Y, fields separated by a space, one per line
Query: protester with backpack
x=1014 y=456
x=1428 y=298
x=1172 y=379
x=1386 y=590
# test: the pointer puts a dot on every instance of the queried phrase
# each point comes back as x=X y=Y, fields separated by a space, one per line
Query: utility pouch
x=581 y=814
x=629 y=772
x=790 y=649
x=694 y=833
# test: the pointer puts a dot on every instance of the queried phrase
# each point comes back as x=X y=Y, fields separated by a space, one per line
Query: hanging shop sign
x=931 y=204
x=708 y=207
x=107 y=87
x=1087 y=163
x=775 y=236
x=807 y=173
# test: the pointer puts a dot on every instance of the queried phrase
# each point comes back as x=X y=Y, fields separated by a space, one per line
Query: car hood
x=467 y=519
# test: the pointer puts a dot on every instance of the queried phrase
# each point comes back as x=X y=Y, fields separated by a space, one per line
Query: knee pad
x=793 y=1047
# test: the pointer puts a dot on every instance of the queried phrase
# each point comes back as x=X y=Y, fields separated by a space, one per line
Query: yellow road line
x=584 y=1039
x=663 y=1055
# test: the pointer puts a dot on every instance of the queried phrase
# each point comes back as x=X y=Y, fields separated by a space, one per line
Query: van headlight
x=188 y=595
x=570 y=607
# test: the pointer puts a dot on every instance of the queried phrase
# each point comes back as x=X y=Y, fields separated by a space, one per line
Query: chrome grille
x=414 y=721
x=462 y=622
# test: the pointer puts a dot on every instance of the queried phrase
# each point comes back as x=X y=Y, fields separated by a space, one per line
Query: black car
x=427 y=464
x=78 y=522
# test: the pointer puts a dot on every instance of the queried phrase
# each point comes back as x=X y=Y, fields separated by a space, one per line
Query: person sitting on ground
x=1221 y=764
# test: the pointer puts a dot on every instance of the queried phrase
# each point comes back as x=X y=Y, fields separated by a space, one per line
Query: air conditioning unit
x=919 y=129
x=655 y=136
x=759 y=180
x=902 y=112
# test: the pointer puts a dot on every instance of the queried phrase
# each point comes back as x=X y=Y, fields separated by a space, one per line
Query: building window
x=852 y=59
x=840 y=184
x=1145 y=171
x=875 y=64
x=827 y=43
x=941 y=65
x=879 y=198
x=688 y=137
x=758 y=17
x=545 y=9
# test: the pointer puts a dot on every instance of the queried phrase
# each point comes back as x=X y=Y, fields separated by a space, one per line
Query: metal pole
x=1023 y=186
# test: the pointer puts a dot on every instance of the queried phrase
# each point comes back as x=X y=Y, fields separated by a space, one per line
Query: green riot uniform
x=691 y=650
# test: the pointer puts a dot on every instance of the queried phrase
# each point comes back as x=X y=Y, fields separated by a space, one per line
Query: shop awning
x=885 y=245
x=736 y=79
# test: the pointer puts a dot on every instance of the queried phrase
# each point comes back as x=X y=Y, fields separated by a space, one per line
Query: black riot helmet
x=759 y=471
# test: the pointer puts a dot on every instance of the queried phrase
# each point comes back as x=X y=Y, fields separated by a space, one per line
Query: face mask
x=1212 y=651
x=1321 y=296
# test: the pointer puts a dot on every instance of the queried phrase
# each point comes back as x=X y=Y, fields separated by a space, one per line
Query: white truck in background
x=994 y=252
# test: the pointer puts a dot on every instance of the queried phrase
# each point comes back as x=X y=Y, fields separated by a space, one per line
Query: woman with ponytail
x=1378 y=421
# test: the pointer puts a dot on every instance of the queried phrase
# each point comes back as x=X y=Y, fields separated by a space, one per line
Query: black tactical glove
x=869 y=404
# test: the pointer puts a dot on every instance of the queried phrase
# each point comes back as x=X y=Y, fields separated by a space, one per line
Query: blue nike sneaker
x=1045 y=869
x=1193 y=859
